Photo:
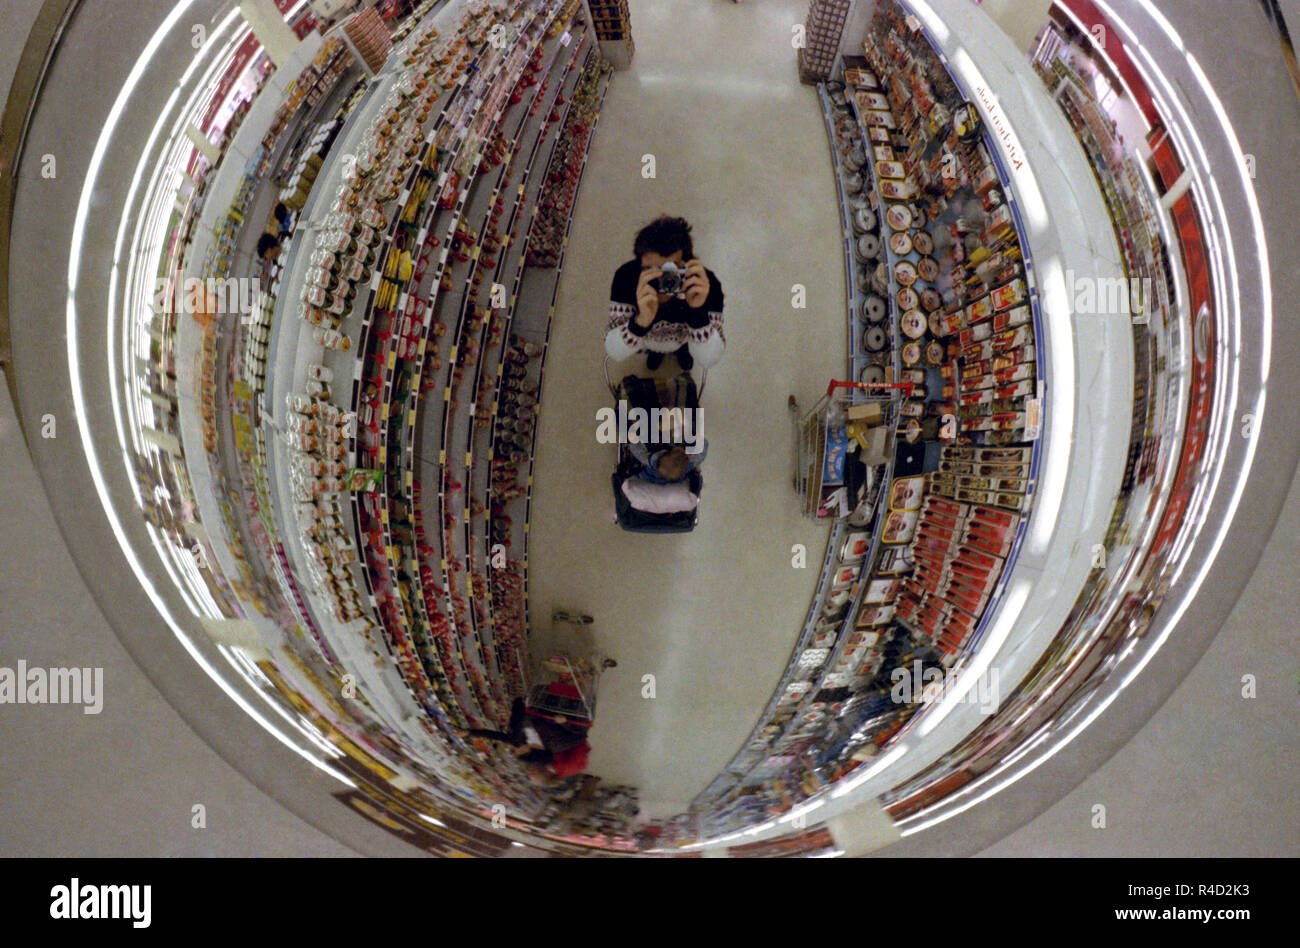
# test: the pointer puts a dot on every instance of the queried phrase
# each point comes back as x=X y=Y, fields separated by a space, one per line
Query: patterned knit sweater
x=676 y=324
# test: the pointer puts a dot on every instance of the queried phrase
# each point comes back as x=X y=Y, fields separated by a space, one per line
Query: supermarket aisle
x=740 y=150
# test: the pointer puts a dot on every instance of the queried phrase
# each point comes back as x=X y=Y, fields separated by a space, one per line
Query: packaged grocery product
x=1004 y=297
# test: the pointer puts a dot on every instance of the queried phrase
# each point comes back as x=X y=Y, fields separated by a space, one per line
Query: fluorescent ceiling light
x=933 y=22
x=79 y=396
x=1054 y=306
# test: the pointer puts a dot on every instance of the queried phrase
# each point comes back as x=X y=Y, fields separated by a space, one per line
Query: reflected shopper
x=284 y=220
x=551 y=752
x=268 y=247
x=665 y=301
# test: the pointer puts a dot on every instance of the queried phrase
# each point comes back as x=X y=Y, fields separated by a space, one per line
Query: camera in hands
x=671 y=279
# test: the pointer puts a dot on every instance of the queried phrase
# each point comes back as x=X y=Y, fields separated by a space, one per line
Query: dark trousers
x=555 y=737
x=514 y=733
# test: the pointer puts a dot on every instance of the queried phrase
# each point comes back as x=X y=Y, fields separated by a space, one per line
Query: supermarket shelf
x=482 y=433
x=245 y=148
x=486 y=384
x=846 y=218
x=1051 y=564
x=388 y=404
x=451 y=406
x=996 y=598
x=293 y=348
x=523 y=315
x=455 y=419
x=553 y=277
x=786 y=742
x=367 y=302
x=891 y=259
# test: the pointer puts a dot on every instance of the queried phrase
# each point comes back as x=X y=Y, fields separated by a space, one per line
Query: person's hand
x=647 y=298
x=696 y=286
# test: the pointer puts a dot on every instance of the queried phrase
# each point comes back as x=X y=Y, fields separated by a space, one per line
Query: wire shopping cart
x=566 y=690
x=822 y=439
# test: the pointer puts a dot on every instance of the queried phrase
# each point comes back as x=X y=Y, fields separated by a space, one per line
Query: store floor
x=740 y=150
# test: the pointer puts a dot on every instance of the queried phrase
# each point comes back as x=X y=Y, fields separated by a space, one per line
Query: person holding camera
x=665 y=301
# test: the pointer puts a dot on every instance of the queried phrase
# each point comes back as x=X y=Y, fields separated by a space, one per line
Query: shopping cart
x=566 y=691
x=822 y=441
x=657 y=393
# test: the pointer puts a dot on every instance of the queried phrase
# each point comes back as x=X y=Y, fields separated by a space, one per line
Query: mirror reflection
x=623 y=438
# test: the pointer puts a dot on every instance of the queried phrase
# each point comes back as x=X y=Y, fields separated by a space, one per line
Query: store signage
x=247 y=50
x=999 y=128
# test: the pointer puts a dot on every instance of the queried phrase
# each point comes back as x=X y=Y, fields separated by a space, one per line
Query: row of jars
x=347 y=246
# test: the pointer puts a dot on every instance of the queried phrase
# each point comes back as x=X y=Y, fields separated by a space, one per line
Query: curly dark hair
x=665 y=236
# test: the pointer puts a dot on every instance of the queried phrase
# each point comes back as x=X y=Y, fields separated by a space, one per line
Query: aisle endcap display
x=822 y=31
x=368 y=37
x=613 y=25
